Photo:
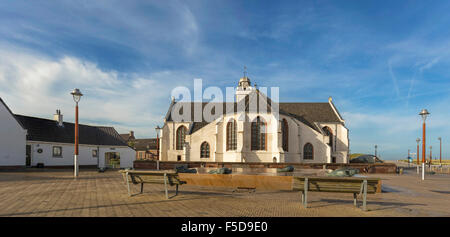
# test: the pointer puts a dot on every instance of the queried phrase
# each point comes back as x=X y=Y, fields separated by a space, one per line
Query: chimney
x=58 y=117
x=131 y=134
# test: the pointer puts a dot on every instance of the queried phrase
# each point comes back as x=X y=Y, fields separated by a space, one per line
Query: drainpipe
x=98 y=157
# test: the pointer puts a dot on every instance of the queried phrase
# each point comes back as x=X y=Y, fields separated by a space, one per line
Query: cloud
x=35 y=85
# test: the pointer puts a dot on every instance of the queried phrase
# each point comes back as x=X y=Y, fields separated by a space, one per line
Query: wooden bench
x=154 y=177
x=355 y=185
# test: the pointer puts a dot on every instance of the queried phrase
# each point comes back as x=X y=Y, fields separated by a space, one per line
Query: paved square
x=56 y=193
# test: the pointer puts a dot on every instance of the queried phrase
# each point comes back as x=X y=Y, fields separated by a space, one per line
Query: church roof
x=307 y=113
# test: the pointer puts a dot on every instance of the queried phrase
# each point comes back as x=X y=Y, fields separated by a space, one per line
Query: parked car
x=366 y=159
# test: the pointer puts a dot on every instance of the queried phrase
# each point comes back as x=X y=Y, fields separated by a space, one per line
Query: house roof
x=145 y=144
x=9 y=110
x=46 y=130
x=126 y=136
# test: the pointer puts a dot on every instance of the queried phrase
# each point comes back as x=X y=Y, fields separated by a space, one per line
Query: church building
x=268 y=132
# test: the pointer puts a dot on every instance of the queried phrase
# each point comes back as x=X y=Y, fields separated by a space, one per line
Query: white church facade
x=273 y=132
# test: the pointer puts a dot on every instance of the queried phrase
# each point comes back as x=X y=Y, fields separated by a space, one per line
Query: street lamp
x=376 y=150
x=431 y=157
x=424 y=113
x=76 y=93
x=158 y=129
x=418 y=142
x=440 y=150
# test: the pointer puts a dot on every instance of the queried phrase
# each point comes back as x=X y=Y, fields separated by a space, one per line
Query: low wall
x=167 y=165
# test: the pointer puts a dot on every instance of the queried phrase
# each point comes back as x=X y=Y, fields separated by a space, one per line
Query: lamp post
x=158 y=129
x=431 y=158
x=440 y=150
x=418 y=142
x=424 y=113
x=76 y=93
x=417 y=154
x=376 y=150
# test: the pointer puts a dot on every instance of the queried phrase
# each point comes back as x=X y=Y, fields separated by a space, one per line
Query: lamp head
x=158 y=129
x=76 y=93
x=418 y=140
x=424 y=113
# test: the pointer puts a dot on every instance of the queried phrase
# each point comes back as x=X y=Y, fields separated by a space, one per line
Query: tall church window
x=231 y=135
x=181 y=137
x=328 y=132
x=285 y=134
x=258 y=132
x=204 y=150
x=308 y=152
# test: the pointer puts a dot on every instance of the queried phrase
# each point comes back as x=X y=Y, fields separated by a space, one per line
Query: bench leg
x=128 y=185
x=176 y=192
x=165 y=186
x=303 y=197
x=142 y=188
x=355 y=203
x=305 y=191
x=365 y=196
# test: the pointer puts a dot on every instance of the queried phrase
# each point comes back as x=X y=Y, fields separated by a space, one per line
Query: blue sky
x=381 y=61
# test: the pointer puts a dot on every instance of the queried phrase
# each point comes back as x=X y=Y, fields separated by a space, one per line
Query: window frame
x=312 y=152
x=181 y=140
x=205 y=152
x=60 y=152
x=258 y=138
x=285 y=135
x=231 y=135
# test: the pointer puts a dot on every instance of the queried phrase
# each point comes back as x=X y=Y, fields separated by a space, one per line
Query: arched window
x=231 y=135
x=308 y=152
x=328 y=132
x=258 y=130
x=285 y=134
x=181 y=137
x=204 y=150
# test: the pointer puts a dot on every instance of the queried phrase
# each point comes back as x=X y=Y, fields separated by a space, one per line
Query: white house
x=12 y=139
x=28 y=141
x=301 y=132
x=51 y=143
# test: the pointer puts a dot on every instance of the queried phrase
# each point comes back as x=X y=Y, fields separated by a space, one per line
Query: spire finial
x=245 y=71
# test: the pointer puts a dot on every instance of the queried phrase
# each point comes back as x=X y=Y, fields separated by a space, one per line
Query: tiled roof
x=126 y=136
x=47 y=130
x=145 y=144
x=307 y=113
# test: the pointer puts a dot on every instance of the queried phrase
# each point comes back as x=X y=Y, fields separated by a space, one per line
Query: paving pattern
x=52 y=193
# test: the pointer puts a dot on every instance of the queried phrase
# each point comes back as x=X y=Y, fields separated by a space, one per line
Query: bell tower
x=244 y=87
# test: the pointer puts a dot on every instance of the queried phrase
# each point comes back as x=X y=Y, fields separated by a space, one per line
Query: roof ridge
x=95 y=126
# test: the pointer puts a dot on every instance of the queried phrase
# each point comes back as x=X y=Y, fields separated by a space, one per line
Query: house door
x=112 y=159
x=28 y=156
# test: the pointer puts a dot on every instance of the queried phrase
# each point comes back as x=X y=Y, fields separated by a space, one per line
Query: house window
x=204 y=150
x=285 y=133
x=181 y=137
x=94 y=153
x=308 y=152
x=258 y=131
x=57 y=151
x=231 y=135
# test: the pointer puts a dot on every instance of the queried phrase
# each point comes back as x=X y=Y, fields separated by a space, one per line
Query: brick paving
x=53 y=193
